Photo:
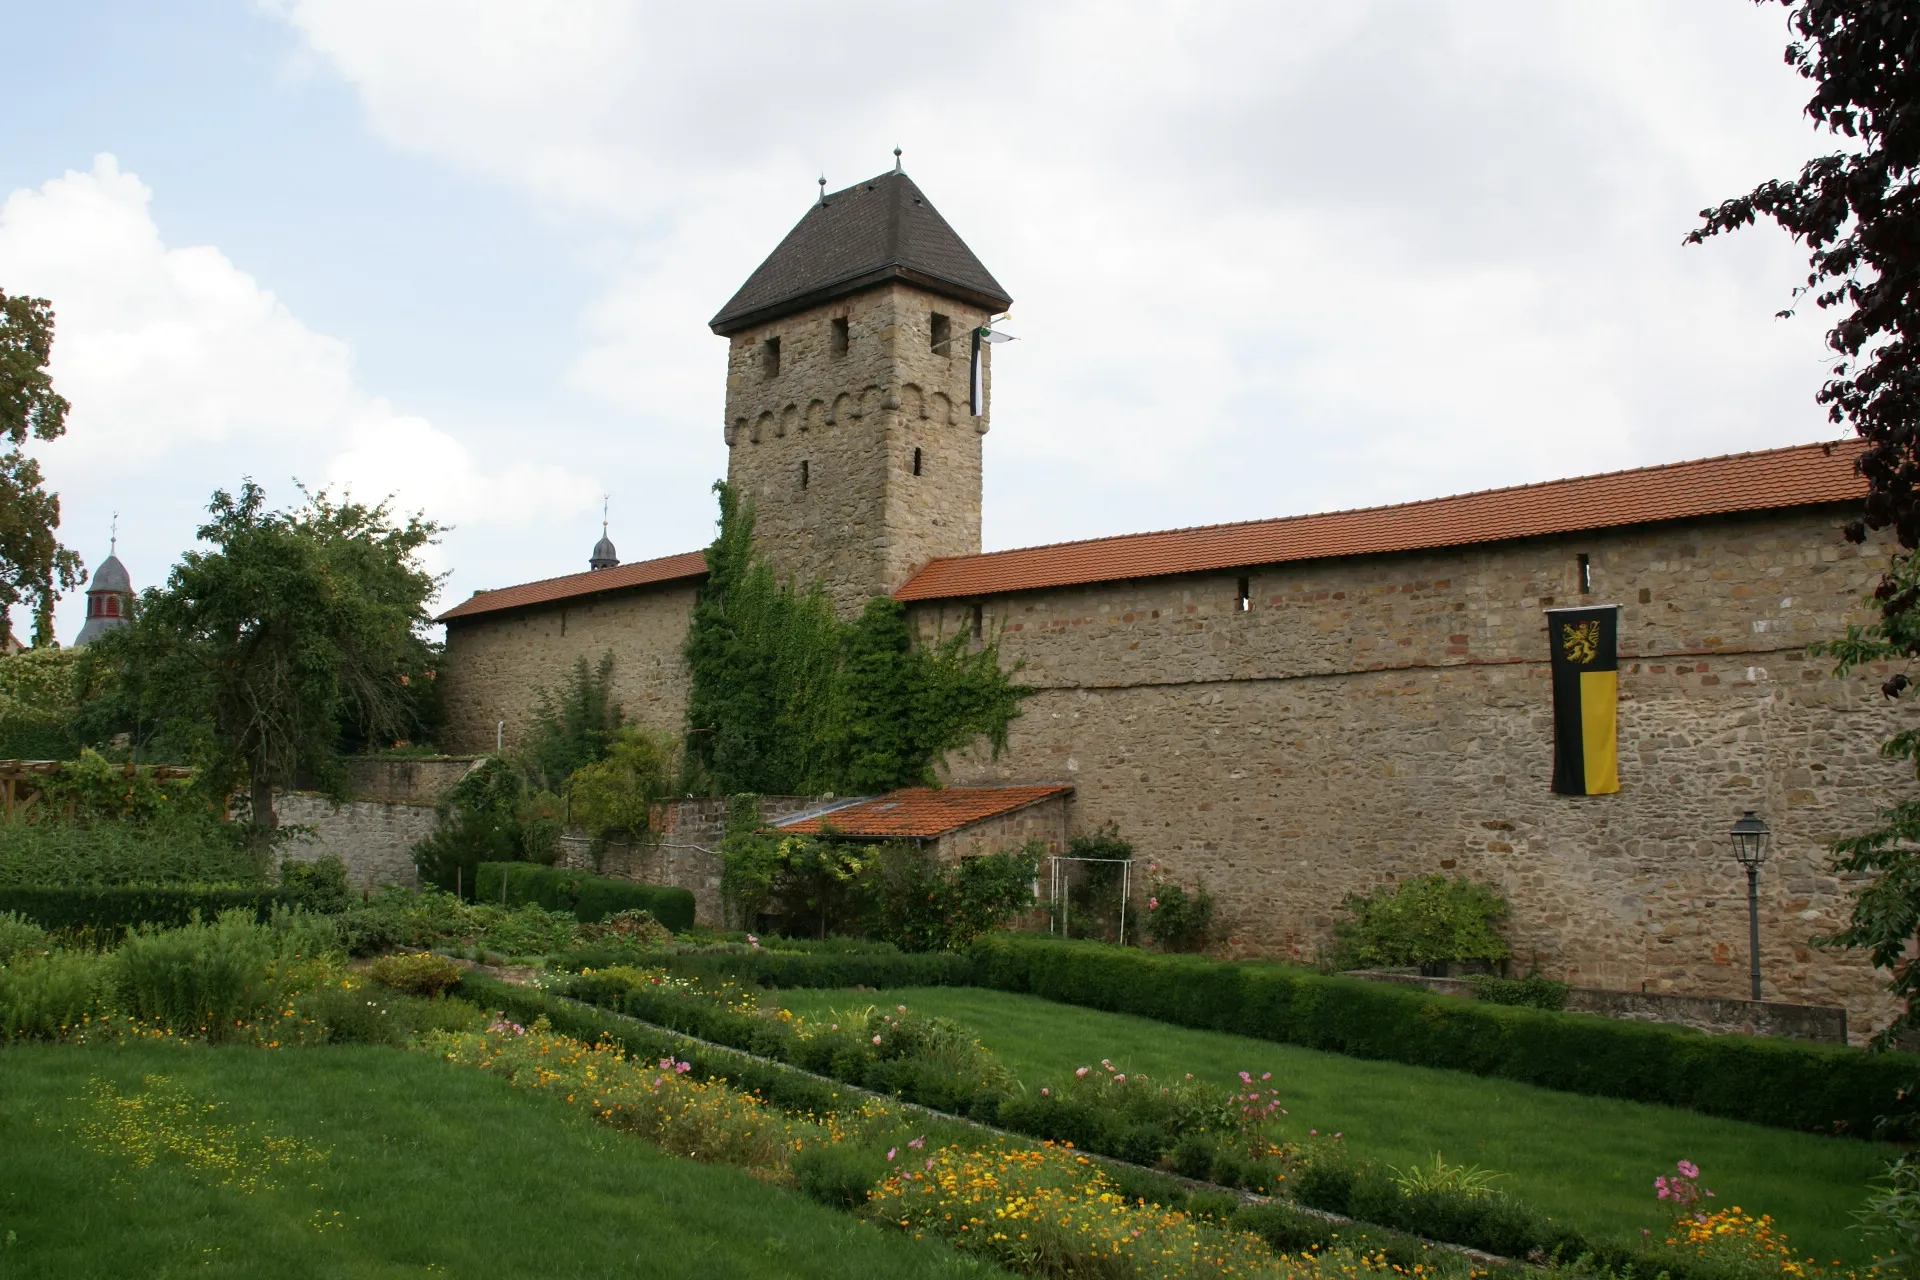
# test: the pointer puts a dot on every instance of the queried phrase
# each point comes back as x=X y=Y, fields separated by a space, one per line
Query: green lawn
x=427 y=1169
x=1589 y=1161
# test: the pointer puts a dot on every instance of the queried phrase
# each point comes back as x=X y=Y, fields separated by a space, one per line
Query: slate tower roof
x=874 y=231
x=109 y=601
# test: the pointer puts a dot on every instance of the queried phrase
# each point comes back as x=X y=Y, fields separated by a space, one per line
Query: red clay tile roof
x=1802 y=475
x=922 y=812
x=641 y=573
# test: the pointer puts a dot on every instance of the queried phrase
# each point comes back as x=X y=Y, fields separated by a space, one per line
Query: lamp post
x=1750 y=837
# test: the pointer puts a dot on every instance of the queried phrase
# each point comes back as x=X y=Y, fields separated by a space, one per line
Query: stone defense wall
x=1046 y=822
x=1370 y=719
x=1702 y=1013
x=375 y=838
x=863 y=521
x=497 y=664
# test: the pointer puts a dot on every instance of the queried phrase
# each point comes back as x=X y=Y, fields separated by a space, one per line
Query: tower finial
x=605 y=498
x=823 y=188
x=113 y=535
x=896 y=161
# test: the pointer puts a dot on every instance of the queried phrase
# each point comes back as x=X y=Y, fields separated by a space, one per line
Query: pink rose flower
x=1688 y=1169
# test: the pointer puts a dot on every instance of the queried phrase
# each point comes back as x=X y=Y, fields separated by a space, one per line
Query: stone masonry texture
x=862 y=521
x=374 y=838
x=497 y=665
x=1372 y=719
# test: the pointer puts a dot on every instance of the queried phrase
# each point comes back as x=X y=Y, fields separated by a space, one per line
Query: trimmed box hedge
x=789 y=1090
x=876 y=969
x=589 y=897
x=1788 y=1084
x=120 y=907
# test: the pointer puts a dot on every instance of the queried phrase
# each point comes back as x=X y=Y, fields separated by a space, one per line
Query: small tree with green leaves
x=615 y=795
x=295 y=634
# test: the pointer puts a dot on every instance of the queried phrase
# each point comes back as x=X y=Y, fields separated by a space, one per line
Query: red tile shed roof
x=1802 y=475
x=922 y=812
x=641 y=573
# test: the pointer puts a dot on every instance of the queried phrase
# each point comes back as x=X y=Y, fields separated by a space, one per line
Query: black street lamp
x=1750 y=837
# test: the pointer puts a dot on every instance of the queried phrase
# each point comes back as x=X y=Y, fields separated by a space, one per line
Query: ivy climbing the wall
x=788 y=699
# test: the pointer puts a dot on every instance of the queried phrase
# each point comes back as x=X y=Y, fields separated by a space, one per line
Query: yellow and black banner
x=1586 y=686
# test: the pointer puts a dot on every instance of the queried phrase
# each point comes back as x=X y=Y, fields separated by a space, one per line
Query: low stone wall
x=687 y=853
x=374 y=838
x=405 y=781
x=1712 y=1014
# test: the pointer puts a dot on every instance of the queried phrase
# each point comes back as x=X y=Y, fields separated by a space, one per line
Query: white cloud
x=184 y=372
x=1268 y=256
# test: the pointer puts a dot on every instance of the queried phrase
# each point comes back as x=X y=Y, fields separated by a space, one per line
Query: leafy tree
x=34 y=567
x=1858 y=212
x=787 y=698
x=297 y=632
x=616 y=794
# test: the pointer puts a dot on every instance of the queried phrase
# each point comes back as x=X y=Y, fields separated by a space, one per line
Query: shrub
x=420 y=974
x=202 y=979
x=1176 y=920
x=19 y=934
x=363 y=1015
x=616 y=794
x=876 y=969
x=188 y=850
x=111 y=909
x=1786 y=1083
x=1420 y=921
x=318 y=885
x=1533 y=991
x=370 y=930
x=922 y=904
x=493 y=814
x=589 y=897
x=838 y=1175
x=42 y=997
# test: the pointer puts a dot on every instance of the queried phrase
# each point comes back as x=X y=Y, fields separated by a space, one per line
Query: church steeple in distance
x=604 y=556
x=109 y=595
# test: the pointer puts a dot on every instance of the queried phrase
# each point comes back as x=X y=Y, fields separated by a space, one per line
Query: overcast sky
x=1266 y=258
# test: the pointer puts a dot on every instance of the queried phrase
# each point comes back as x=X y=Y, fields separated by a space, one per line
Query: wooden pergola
x=20 y=779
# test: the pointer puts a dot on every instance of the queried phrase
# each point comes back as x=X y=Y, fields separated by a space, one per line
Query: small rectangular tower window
x=916 y=462
x=1586 y=574
x=1245 y=604
x=804 y=470
x=838 y=339
x=941 y=334
x=770 y=358
x=979 y=620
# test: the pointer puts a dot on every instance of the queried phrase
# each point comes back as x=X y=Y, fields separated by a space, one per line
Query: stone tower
x=848 y=416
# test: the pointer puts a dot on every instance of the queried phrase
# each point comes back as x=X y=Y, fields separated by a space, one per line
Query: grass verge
x=374 y=1162
x=1585 y=1160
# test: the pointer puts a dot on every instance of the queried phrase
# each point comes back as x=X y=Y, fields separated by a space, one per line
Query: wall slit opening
x=839 y=338
x=805 y=473
x=1586 y=574
x=916 y=462
x=1245 y=603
